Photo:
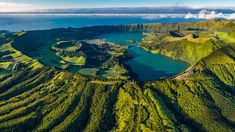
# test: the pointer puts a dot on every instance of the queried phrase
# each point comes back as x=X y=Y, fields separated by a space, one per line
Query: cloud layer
x=204 y=14
x=6 y=7
x=26 y=9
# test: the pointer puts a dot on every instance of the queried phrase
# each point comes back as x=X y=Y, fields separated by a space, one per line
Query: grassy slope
x=52 y=100
x=43 y=99
x=207 y=96
x=187 y=48
x=61 y=101
x=76 y=60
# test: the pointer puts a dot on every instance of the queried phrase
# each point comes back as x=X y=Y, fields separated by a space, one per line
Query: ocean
x=41 y=22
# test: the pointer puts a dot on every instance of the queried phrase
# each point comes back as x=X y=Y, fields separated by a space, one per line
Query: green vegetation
x=71 y=52
x=76 y=60
x=49 y=82
x=187 y=44
x=88 y=71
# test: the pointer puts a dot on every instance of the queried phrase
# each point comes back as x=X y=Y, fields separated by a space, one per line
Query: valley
x=135 y=77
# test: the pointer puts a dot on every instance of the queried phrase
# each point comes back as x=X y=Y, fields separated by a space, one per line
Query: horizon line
x=123 y=7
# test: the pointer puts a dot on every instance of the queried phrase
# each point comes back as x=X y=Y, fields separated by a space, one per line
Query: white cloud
x=190 y=15
x=232 y=16
x=157 y=16
x=7 y=6
x=204 y=14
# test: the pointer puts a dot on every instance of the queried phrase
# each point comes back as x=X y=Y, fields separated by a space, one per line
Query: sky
x=18 y=5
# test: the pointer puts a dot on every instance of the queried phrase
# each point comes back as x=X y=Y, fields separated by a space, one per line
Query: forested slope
x=35 y=97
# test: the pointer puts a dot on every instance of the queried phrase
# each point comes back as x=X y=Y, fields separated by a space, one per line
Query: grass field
x=89 y=71
x=75 y=60
x=226 y=37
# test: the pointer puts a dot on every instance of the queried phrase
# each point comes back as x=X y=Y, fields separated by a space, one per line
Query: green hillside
x=40 y=92
x=191 y=44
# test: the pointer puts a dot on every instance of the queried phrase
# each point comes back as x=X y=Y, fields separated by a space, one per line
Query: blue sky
x=44 y=4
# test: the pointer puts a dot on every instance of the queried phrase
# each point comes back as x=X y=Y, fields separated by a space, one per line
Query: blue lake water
x=146 y=65
x=19 y=23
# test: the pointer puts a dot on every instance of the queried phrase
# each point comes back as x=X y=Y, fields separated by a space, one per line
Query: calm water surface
x=146 y=65
x=19 y=23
